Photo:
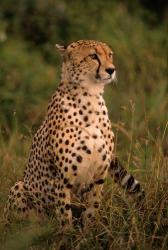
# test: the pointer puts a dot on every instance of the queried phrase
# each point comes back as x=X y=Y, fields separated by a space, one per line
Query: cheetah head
x=87 y=62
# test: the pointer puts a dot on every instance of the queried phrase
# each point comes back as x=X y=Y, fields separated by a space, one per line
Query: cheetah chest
x=87 y=157
x=82 y=139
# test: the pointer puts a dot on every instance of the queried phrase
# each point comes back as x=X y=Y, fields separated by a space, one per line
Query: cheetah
x=72 y=152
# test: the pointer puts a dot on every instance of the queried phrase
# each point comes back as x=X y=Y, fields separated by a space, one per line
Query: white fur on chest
x=87 y=115
x=93 y=163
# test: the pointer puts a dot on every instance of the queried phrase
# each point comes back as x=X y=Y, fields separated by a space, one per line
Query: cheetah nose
x=110 y=70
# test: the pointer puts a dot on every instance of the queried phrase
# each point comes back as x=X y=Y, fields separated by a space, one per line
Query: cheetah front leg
x=64 y=202
x=92 y=201
x=92 y=198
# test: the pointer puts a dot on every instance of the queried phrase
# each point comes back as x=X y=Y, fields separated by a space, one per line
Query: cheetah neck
x=92 y=89
x=64 y=75
x=83 y=97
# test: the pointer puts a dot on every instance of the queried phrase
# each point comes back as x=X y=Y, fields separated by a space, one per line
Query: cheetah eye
x=111 y=54
x=94 y=56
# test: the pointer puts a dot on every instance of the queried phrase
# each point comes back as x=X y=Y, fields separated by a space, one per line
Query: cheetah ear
x=61 y=48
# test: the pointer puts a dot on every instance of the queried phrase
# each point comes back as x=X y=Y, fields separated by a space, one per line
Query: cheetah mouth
x=98 y=77
x=104 y=81
x=107 y=79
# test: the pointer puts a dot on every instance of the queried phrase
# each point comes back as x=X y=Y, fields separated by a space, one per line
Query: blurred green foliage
x=25 y=80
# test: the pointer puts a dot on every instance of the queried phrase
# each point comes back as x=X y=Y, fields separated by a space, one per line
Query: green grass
x=137 y=105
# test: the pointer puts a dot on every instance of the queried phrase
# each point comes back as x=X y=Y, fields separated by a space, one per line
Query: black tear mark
x=99 y=182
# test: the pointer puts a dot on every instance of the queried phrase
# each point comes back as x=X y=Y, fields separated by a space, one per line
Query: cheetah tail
x=124 y=179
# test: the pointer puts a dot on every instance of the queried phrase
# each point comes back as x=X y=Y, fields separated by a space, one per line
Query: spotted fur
x=72 y=152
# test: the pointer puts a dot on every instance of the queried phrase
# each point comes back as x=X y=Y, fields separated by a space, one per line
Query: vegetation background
x=138 y=108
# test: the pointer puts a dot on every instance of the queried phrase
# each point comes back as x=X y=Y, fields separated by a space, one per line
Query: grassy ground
x=137 y=106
